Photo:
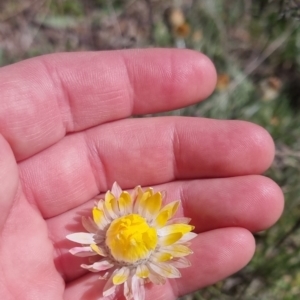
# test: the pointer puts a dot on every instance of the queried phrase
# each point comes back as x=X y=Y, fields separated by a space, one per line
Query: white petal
x=116 y=190
x=140 y=203
x=103 y=265
x=98 y=266
x=112 y=290
x=165 y=270
x=127 y=290
x=109 y=287
x=121 y=276
x=89 y=224
x=112 y=296
x=163 y=195
x=99 y=249
x=137 y=287
x=134 y=195
x=125 y=203
x=187 y=237
x=177 y=250
x=157 y=279
x=183 y=228
x=142 y=271
x=105 y=276
x=110 y=208
x=180 y=262
x=107 y=218
x=82 y=251
x=152 y=206
x=180 y=220
x=81 y=237
x=112 y=203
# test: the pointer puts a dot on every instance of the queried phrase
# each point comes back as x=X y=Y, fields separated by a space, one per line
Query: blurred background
x=255 y=46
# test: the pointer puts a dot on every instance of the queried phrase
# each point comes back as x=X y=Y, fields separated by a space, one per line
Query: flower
x=137 y=239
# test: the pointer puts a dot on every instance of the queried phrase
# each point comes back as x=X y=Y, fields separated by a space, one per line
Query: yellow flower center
x=130 y=238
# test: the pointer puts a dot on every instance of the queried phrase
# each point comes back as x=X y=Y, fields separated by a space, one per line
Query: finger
x=251 y=202
x=145 y=152
x=45 y=97
x=8 y=179
x=217 y=254
x=25 y=249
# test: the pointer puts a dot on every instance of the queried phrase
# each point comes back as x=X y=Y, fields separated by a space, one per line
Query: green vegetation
x=256 y=48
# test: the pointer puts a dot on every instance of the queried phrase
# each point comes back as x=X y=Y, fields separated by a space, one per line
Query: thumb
x=8 y=180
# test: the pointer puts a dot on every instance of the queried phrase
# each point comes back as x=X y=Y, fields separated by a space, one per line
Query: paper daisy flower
x=133 y=240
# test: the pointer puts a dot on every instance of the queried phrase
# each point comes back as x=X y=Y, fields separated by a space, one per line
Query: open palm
x=66 y=137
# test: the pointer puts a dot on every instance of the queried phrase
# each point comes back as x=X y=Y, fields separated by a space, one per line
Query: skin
x=66 y=137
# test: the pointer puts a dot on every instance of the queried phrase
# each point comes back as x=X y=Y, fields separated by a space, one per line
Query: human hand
x=66 y=137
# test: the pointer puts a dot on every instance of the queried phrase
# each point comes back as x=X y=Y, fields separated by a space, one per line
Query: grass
x=255 y=46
